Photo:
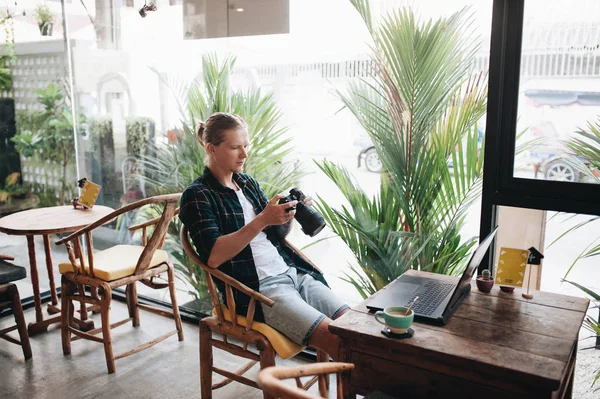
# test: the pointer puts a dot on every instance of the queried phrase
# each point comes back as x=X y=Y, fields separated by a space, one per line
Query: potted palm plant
x=420 y=108
x=45 y=19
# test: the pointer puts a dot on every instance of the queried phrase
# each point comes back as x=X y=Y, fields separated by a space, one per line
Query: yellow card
x=89 y=194
x=511 y=266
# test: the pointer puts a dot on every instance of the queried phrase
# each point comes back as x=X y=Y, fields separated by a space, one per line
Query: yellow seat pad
x=284 y=347
x=117 y=262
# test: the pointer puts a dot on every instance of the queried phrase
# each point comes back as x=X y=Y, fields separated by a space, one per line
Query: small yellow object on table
x=511 y=267
x=89 y=194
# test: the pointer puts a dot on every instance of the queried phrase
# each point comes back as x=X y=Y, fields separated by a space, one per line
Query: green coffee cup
x=395 y=319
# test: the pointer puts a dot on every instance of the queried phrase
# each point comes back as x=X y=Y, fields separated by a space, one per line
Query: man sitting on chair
x=236 y=229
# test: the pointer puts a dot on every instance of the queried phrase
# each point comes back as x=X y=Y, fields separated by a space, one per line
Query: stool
x=9 y=297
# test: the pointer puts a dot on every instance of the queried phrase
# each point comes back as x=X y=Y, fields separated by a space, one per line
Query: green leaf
x=584 y=289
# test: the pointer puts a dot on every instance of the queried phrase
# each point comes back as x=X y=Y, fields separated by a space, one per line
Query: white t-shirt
x=267 y=260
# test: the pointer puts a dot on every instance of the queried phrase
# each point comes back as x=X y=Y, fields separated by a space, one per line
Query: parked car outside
x=552 y=161
x=368 y=154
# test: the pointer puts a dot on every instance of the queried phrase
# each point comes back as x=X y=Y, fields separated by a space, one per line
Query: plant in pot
x=420 y=109
x=485 y=282
x=45 y=19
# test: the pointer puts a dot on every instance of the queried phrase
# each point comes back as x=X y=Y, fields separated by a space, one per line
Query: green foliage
x=51 y=138
x=44 y=14
x=139 y=132
x=178 y=162
x=187 y=270
x=420 y=109
x=48 y=195
x=100 y=132
x=29 y=119
x=27 y=143
x=586 y=144
x=9 y=58
x=591 y=324
x=11 y=187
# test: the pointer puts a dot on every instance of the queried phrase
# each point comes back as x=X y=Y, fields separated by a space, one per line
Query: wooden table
x=496 y=345
x=46 y=221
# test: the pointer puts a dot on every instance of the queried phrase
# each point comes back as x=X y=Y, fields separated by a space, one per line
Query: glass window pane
x=129 y=77
x=559 y=96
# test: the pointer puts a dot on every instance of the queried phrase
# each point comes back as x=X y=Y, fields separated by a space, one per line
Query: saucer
x=397 y=331
x=390 y=334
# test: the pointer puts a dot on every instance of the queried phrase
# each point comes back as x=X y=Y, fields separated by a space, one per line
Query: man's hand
x=275 y=213
x=308 y=201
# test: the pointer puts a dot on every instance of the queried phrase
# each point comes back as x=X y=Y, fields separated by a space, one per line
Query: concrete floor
x=169 y=369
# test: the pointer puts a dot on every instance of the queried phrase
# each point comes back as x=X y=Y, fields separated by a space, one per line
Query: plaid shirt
x=209 y=210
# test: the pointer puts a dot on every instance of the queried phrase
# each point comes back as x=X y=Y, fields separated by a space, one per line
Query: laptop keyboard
x=434 y=294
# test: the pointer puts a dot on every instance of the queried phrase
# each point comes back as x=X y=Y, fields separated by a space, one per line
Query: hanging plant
x=45 y=19
x=9 y=58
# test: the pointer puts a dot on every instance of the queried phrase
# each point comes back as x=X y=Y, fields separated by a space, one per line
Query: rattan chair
x=229 y=324
x=121 y=265
x=271 y=379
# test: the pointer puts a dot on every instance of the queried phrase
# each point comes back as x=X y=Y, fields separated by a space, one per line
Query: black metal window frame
x=500 y=187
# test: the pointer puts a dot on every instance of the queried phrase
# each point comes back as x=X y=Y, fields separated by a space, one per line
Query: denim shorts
x=301 y=303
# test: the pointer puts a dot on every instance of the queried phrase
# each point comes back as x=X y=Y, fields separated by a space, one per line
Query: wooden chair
x=121 y=265
x=271 y=379
x=9 y=297
x=229 y=324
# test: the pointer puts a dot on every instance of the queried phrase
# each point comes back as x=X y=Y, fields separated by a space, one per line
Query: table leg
x=50 y=268
x=35 y=280
x=345 y=356
x=41 y=325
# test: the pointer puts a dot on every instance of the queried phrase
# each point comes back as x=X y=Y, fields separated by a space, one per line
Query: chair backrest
x=156 y=240
x=271 y=379
x=229 y=283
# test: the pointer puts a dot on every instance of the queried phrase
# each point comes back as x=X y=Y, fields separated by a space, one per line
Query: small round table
x=46 y=221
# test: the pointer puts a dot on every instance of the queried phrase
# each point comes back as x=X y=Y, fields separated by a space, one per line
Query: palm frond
x=421 y=109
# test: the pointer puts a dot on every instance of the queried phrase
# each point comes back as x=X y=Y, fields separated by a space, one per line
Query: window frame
x=500 y=187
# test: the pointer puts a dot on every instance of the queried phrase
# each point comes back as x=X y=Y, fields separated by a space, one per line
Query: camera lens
x=311 y=221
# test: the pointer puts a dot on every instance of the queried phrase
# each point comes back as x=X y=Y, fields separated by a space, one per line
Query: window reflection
x=559 y=102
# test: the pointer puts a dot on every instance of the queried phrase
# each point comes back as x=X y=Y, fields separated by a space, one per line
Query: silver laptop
x=437 y=299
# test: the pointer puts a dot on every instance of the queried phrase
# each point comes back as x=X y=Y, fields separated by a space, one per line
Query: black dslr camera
x=311 y=221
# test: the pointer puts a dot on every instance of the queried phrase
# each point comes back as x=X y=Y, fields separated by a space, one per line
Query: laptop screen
x=474 y=262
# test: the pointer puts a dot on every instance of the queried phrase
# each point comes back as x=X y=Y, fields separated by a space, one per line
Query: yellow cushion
x=117 y=262
x=284 y=347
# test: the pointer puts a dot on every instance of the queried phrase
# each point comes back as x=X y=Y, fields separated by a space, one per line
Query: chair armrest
x=150 y=222
x=270 y=379
x=6 y=257
x=238 y=286
x=120 y=211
